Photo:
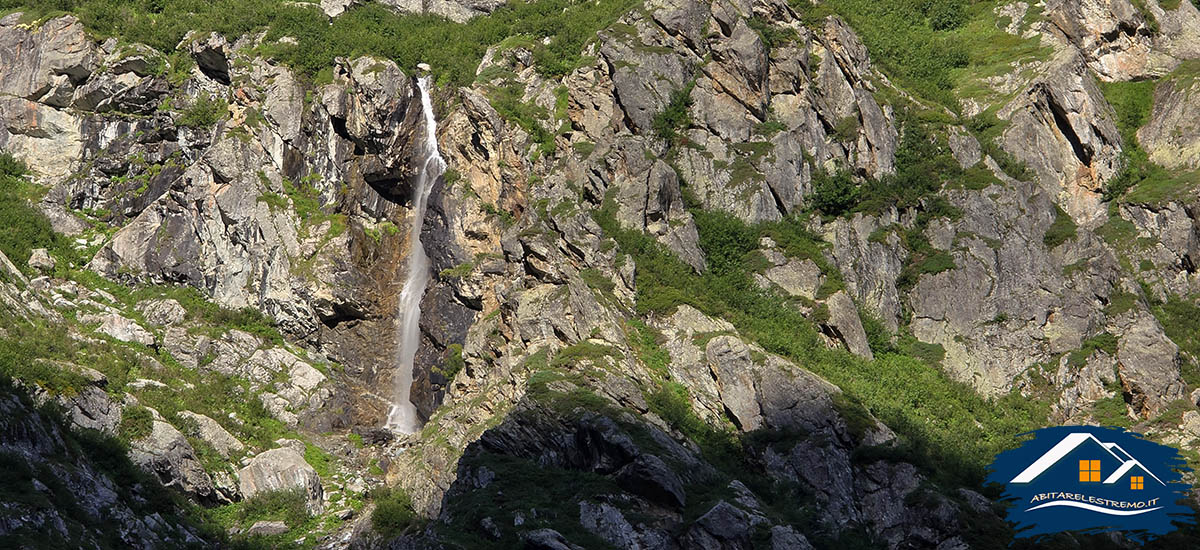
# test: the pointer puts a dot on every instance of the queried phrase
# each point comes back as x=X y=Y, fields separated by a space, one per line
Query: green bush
x=675 y=116
x=203 y=113
x=287 y=505
x=946 y=422
x=910 y=39
x=834 y=195
x=454 y=361
x=394 y=514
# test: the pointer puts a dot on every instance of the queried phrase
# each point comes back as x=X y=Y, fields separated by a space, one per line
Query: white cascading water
x=403 y=415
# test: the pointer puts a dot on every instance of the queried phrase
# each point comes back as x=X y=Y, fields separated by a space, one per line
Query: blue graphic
x=1093 y=479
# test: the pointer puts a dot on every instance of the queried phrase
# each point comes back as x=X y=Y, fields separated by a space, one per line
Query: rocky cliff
x=741 y=274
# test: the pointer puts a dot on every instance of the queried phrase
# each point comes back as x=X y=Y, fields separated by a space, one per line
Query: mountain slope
x=717 y=275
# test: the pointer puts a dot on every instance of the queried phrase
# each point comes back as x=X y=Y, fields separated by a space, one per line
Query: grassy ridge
x=452 y=49
x=937 y=49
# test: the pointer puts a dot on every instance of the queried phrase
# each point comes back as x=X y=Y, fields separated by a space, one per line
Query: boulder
x=280 y=470
x=120 y=328
x=547 y=539
x=267 y=528
x=650 y=477
x=843 y=317
x=166 y=453
x=787 y=538
x=41 y=260
x=211 y=432
x=163 y=312
x=334 y=8
x=723 y=526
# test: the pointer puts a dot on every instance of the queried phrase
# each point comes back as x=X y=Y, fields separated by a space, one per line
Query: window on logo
x=1089 y=471
x=1137 y=482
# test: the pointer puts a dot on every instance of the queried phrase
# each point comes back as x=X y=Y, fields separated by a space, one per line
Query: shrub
x=454 y=361
x=203 y=113
x=834 y=195
x=557 y=30
x=287 y=505
x=675 y=116
x=394 y=514
x=945 y=422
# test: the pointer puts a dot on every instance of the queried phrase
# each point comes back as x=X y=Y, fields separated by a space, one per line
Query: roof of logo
x=1068 y=444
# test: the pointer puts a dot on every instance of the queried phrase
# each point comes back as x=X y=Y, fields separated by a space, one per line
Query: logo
x=1092 y=480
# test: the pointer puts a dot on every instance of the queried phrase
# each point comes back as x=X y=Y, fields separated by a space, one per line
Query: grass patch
x=1140 y=180
x=136 y=423
x=25 y=227
x=1062 y=230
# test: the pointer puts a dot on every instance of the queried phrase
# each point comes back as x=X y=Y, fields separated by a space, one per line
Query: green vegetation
x=1104 y=342
x=203 y=113
x=78 y=449
x=453 y=362
x=1119 y=302
x=521 y=485
x=1062 y=230
x=647 y=345
x=394 y=514
x=675 y=116
x=1112 y=411
x=671 y=403
x=287 y=505
x=25 y=228
x=1180 y=318
x=452 y=49
x=1140 y=179
x=924 y=164
x=507 y=100
x=136 y=423
x=320 y=460
x=938 y=49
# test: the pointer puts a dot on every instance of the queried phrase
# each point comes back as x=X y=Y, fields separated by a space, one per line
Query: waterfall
x=403 y=415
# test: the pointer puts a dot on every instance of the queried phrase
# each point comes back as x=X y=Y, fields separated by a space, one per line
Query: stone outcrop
x=281 y=469
x=167 y=454
x=1063 y=129
x=1171 y=136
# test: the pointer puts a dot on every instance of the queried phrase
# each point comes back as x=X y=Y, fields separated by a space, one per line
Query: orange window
x=1137 y=482
x=1089 y=471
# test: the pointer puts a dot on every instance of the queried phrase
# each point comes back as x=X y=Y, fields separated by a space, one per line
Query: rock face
x=212 y=433
x=1124 y=39
x=1171 y=135
x=84 y=503
x=281 y=469
x=1062 y=128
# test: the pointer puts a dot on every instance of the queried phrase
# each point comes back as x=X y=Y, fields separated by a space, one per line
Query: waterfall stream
x=403 y=415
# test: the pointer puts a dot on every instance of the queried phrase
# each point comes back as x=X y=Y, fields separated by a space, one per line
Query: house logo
x=1093 y=479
